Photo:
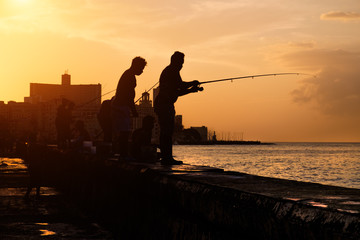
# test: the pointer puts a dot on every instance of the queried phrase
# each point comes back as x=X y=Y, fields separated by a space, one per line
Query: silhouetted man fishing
x=171 y=87
x=123 y=105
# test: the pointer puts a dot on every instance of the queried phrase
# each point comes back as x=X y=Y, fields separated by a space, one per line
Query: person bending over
x=123 y=106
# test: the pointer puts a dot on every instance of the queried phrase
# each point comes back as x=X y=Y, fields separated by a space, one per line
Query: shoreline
x=224 y=142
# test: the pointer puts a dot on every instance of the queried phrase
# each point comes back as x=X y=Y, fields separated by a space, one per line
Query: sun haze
x=96 y=41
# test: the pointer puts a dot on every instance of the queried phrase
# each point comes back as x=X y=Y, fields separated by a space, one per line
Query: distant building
x=87 y=100
x=46 y=120
x=36 y=116
x=21 y=119
x=203 y=131
x=89 y=94
x=144 y=108
x=155 y=93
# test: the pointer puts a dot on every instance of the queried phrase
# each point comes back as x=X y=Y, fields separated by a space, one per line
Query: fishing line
x=94 y=99
x=148 y=91
x=253 y=76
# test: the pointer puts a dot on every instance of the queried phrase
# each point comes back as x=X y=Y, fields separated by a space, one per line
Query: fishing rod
x=94 y=99
x=210 y=81
x=148 y=91
x=253 y=76
x=234 y=78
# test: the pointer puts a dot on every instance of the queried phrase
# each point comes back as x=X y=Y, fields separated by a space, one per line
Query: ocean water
x=336 y=164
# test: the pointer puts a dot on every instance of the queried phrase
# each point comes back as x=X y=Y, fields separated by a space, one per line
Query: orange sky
x=95 y=41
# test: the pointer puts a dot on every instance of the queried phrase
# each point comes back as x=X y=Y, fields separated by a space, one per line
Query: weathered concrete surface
x=49 y=216
x=150 y=201
x=235 y=205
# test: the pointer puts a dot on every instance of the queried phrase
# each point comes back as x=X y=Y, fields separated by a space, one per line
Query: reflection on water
x=351 y=203
x=42 y=224
x=335 y=164
x=45 y=232
x=349 y=211
x=327 y=163
x=11 y=163
x=317 y=204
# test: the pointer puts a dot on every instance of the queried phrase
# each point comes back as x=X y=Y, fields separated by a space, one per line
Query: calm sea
x=336 y=164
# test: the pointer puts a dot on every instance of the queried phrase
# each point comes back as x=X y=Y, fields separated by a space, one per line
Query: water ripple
x=327 y=163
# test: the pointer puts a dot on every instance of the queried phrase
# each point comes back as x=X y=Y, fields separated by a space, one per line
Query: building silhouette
x=19 y=120
x=145 y=108
x=203 y=132
x=156 y=92
x=36 y=115
x=89 y=94
x=86 y=99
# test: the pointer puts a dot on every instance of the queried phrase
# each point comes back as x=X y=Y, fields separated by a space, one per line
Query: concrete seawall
x=150 y=201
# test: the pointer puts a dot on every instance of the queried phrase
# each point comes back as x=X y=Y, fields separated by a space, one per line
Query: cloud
x=303 y=44
x=335 y=90
x=340 y=16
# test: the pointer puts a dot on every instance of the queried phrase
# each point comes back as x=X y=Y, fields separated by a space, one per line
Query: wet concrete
x=48 y=216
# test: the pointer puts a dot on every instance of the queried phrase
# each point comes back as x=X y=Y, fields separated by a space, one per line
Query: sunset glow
x=21 y=1
x=96 y=40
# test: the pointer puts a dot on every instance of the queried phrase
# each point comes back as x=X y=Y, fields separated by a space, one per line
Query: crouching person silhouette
x=171 y=87
x=141 y=147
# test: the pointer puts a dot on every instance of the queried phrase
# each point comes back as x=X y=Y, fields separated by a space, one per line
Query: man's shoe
x=171 y=161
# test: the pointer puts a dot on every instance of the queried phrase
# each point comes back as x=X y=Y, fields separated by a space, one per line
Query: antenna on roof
x=66 y=71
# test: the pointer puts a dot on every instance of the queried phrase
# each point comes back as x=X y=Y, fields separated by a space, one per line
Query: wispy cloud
x=335 y=90
x=303 y=44
x=340 y=16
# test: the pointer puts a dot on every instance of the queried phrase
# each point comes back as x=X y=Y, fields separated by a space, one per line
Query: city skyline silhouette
x=94 y=41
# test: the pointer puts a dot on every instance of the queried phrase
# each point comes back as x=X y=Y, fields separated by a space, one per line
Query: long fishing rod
x=234 y=78
x=211 y=81
x=94 y=99
x=253 y=76
x=148 y=91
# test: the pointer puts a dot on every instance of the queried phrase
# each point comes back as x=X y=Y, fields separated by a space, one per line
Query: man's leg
x=166 y=122
x=165 y=143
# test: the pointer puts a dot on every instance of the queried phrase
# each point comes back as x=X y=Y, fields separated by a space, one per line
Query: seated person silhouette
x=79 y=135
x=105 y=121
x=141 y=148
x=63 y=122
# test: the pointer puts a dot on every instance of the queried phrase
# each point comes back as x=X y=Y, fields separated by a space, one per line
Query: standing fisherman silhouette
x=123 y=106
x=62 y=122
x=171 y=87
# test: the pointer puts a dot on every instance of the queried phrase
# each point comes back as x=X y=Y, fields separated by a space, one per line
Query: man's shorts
x=121 y=119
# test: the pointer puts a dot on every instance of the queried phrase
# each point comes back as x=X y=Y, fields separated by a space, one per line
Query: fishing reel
x=198 y=88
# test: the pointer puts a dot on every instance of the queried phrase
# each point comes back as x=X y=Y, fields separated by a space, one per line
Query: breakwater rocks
x=150 y=201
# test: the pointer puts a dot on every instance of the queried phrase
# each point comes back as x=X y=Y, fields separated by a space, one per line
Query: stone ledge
x=194 y=202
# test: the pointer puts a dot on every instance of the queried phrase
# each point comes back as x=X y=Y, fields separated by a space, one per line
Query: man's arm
x=189 y=87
